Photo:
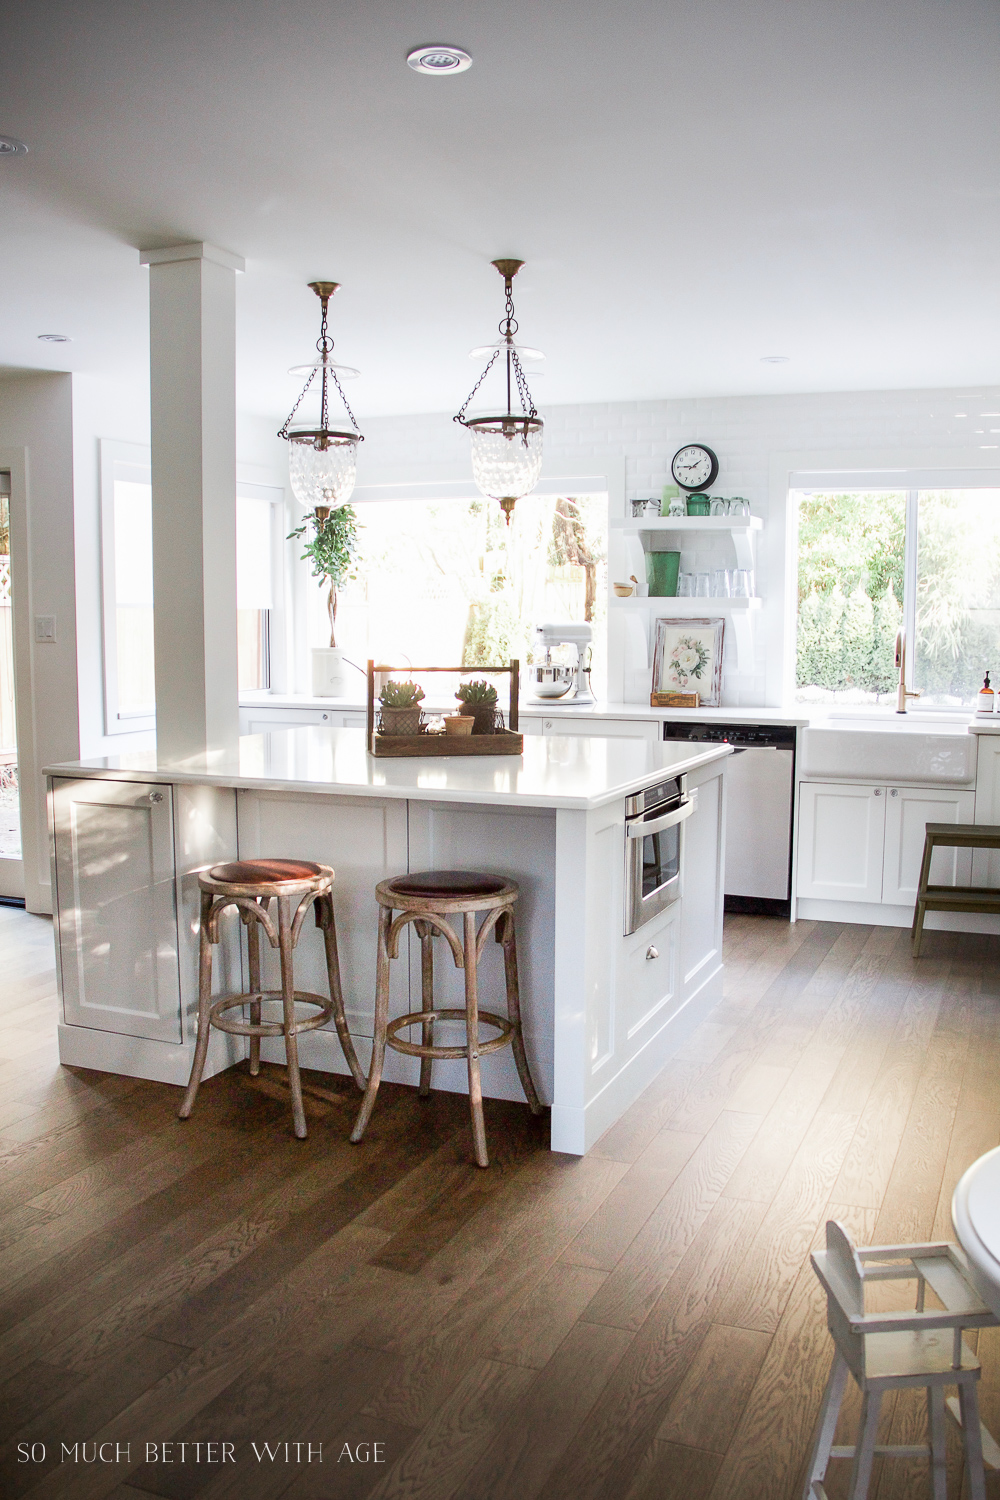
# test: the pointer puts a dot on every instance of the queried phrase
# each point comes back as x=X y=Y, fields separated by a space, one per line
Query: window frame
x=132 y=461
x=910 y=481
x=127 y=461
x=276 y=625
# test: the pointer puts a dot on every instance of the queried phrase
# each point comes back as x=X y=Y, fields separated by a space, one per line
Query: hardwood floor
x=640 y=1323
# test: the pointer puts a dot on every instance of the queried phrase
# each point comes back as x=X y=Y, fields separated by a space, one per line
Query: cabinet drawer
x=611 y=729
x=647 y=992
x=261 y=720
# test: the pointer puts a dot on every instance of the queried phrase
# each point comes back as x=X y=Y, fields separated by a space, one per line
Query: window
x=127 y=553
x=874 y=561
x=254 y=589
x=442 y=582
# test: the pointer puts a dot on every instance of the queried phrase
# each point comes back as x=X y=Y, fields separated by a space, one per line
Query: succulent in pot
x=480 y=700
x=400 y=707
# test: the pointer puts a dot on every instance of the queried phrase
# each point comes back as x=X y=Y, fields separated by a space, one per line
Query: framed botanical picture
x=687 y=658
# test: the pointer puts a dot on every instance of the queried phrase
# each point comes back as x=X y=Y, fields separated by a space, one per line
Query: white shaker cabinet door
x=841 y=841
x=908 y=810
x=114 y=871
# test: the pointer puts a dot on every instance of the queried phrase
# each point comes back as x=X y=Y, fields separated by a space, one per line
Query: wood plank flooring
x=640 y=1323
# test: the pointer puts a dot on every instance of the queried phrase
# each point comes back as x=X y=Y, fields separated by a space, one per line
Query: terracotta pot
x=459 y=724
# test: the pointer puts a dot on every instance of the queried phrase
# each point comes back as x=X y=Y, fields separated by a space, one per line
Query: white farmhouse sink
x=904 y=751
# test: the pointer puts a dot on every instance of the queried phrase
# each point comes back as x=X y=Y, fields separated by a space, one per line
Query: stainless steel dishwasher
x=760 y=781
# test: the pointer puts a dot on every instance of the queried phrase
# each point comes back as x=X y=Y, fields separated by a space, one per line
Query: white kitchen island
x=602 y=1011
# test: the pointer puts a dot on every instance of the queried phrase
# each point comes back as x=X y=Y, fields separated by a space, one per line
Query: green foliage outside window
x=851 y=550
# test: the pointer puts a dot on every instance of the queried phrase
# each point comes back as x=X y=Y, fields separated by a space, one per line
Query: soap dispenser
x=986 y=698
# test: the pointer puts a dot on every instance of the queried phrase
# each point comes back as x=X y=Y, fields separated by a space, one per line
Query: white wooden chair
x=889 y=1350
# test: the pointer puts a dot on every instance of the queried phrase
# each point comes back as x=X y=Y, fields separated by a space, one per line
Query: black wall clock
x=694 y=467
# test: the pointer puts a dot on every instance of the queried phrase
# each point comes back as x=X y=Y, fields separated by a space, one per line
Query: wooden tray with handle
x=502 y=742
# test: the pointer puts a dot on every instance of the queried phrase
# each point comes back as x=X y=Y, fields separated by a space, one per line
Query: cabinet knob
x=894 y=793
x=156 y=796
x=652 y=952
x=326 y=716
x=548 y=723
x=878 y=791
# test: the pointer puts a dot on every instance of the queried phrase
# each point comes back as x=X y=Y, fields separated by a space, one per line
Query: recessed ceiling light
x=989 y=445
x=961 y=414
x=989 y=413
x=774 y=359
x=10 y=146
x=55 y=338
x=439 y=61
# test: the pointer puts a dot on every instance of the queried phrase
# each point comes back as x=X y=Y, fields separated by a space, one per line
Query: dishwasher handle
x=640 y=828
x=742 y=749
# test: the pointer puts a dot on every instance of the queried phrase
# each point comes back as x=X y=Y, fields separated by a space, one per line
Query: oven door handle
x=639 y=828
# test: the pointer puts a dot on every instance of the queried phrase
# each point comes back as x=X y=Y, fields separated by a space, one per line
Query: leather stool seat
x=294 y=886
x=428 y=900
x=446 y=883
x=266 y=872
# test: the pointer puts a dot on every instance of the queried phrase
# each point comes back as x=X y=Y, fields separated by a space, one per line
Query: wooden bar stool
x=892 y=1350
x=428 y=900
x=251 y=886
x=952 y=897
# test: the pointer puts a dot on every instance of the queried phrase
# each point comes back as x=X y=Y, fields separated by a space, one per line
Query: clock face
x=694 y=467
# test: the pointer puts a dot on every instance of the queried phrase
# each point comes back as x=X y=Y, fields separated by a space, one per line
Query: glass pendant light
x=506 y=449
x=322 y=461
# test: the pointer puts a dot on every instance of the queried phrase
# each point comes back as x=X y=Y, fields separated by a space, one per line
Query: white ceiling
x=693 y=184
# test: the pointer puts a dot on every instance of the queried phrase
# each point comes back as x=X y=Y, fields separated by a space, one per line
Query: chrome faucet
x=902 y=692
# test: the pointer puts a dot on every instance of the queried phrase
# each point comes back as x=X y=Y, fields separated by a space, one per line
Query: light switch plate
x=45 y=628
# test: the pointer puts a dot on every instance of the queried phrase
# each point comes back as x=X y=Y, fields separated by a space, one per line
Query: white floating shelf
x=666 y=604
x=688 y=523
x=742 y=529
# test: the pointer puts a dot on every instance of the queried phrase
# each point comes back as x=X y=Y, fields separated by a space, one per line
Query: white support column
x=192 y=357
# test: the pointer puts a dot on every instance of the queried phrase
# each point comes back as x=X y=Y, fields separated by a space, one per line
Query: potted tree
x=400 y=707
x=331 y=548
x=480 y=700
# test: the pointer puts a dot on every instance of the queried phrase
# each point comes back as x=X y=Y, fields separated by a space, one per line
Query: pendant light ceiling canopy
x=322 y=460
x=506 y=448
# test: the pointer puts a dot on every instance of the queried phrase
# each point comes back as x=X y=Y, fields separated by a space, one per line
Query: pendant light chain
x=508 y=328
x=461 y=415
x=324 y=345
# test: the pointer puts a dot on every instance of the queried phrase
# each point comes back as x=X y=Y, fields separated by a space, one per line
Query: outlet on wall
x=45 y=628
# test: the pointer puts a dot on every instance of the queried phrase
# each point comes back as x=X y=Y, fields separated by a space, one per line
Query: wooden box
x=507 y=742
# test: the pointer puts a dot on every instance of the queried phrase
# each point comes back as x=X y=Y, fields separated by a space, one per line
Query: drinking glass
x=743 y=583
x=720 y=507
x=702 y=586
x=721 y=583
x=685 y=585
x=738 y=506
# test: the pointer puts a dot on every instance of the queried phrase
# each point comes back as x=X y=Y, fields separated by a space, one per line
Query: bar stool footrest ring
x=268 y=1028
x=417 y=1049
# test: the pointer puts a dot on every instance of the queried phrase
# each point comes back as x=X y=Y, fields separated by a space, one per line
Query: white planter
x=329 y=679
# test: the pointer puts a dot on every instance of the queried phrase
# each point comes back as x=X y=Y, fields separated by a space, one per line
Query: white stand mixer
x=549 y=679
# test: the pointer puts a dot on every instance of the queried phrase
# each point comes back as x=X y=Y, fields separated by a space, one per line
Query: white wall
x=749 y=434
x=36 y=442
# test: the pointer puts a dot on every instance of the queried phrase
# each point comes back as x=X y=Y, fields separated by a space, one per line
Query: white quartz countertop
x=558 y=708
x=568 y=771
